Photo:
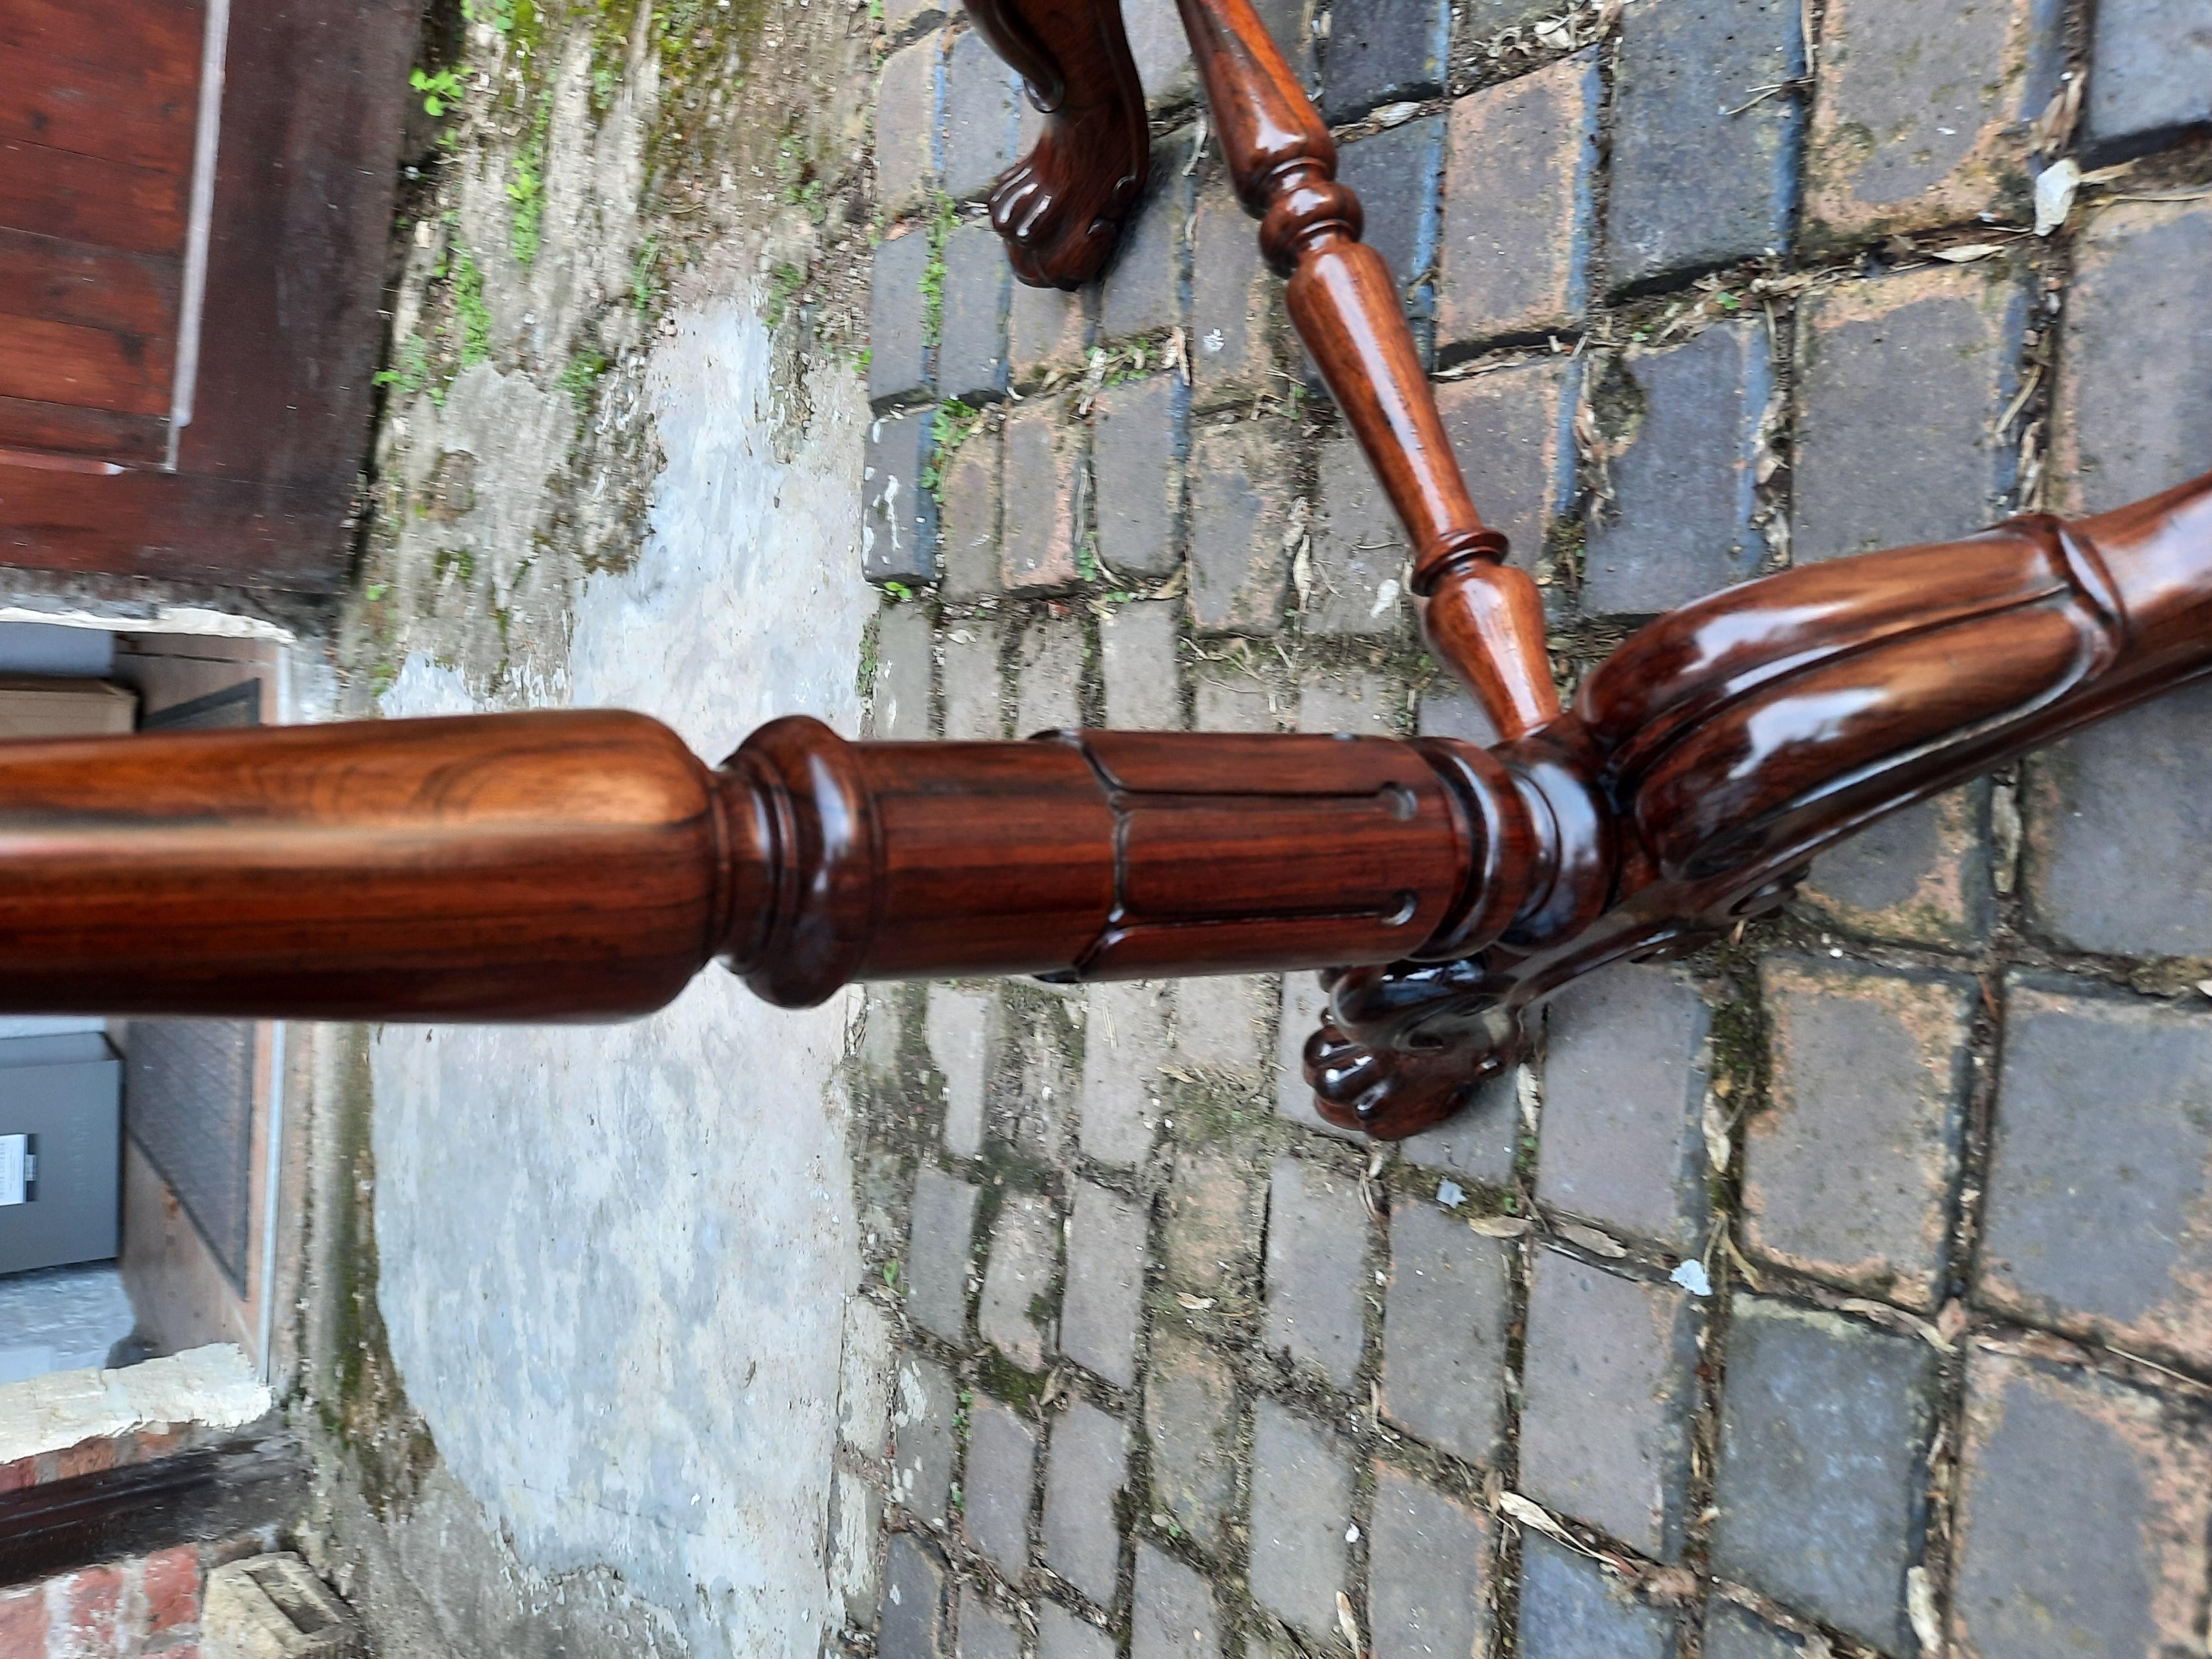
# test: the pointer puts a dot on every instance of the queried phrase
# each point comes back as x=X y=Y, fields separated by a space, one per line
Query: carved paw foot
x=1061 y=207
x=1421 y=1041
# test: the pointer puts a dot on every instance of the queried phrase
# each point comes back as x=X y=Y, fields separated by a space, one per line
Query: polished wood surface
x=1483 y=616
x=1061 y=207
x=581 y=865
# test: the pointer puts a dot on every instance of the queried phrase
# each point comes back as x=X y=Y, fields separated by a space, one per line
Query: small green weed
x=411 y=367
x=526 y=192
x=441 y=89
x=784 y=282
x=474 y=314
x=580 y=375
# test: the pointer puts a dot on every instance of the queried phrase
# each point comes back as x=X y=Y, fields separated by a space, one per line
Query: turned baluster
x=1483 y=616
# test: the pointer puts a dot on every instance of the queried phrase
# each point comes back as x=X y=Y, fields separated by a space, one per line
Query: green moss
x=954 y=423
x=783 y=285
x=360 y=1401
x=411 y=367
x=454 y=560
x=933 y=274
x=1021 y=1389
x=580 y=376
x=470 y=309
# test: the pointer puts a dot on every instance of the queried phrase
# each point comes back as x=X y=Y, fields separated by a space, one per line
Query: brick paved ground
x=1848 y=1292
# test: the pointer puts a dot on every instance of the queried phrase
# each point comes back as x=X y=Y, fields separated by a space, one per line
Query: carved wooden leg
x=1061 y=207
x=1484 y=617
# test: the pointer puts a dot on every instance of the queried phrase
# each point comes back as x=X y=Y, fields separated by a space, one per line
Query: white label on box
x=14 y=1174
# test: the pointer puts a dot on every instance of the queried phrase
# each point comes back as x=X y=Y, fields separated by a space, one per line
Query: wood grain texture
x=64 y=429
x=83 y=198
x=89 y=368
x=1483 y=616
x=63 y=282
x=1061 y=207
x=126 y=107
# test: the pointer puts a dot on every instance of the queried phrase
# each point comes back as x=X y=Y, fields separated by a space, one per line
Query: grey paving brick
x=1905 y=379
x=1303 y=1004
x=864 y=1378
x=1360 y=553
x=985 y=1632
x=1920 y=115
x=1382 y=51
x=1479 y=1142
x=1317 y=1271
x=967 y=519
x=1691 y=187
x=1190 y=1417
x=1824 y=1426
x=1221 y=1021
x=922 y=1437
x=2081 y=1517
x=2134 y=409
x=2117 y=820
x=1301 y=1509
x=1211 y=1226
x=1571 y=1609
x=1921 y=874
x=1044 y=459
x=899 y=347
x=906 y=116
x=914 y=1602
x=1623 y=1085
x=1448 y=710
x=937 y=1257
x=1513 y=431
x=1607 y=1390
x=1061 y=1635
x=2151 y=69
x=981 y=120
x=1398 y=175
x=856 y=1531
x=1137 y=650
x=1514 y=256
x=1444 y=1331
x=898 y=517
x=1104 y=1300
x=1048 y=682
x=972 y=709
x=971 y=350
x=1016 y=1314
x=1732 y=1633
x=1122 y=1040
x=1000 y=1472
x=963 y=1030
x=2099 y=1212
x=1428 y=1561
x=1162 y=50
x=1230 y=701
x=1085 y=1468
x=1241 y=491
x=1681 y=526
x=1366 y=704
x=1172 y=1616
x=1142 y=291
x=1136 y=443
x=1847 y=1174
x=904 y=668
x=1046 y=329
x=1238 y=329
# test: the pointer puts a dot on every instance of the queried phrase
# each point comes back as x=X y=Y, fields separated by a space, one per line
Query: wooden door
x=195 y=198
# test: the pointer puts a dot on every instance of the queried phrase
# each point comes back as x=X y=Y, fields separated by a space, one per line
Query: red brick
x=172 y=1589
x=23 y=1471
x=1042 y=457
x=23 y=1622
x=87 y=1457
x=95 y=1599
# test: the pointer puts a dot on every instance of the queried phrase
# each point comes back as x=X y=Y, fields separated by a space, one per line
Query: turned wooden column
x=584 y=865
x=1483 y=616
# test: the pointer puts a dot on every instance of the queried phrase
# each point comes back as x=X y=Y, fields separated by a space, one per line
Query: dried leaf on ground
x=1595 y=1242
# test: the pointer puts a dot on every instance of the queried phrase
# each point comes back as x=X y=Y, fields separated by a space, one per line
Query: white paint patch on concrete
x=613 y=1257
